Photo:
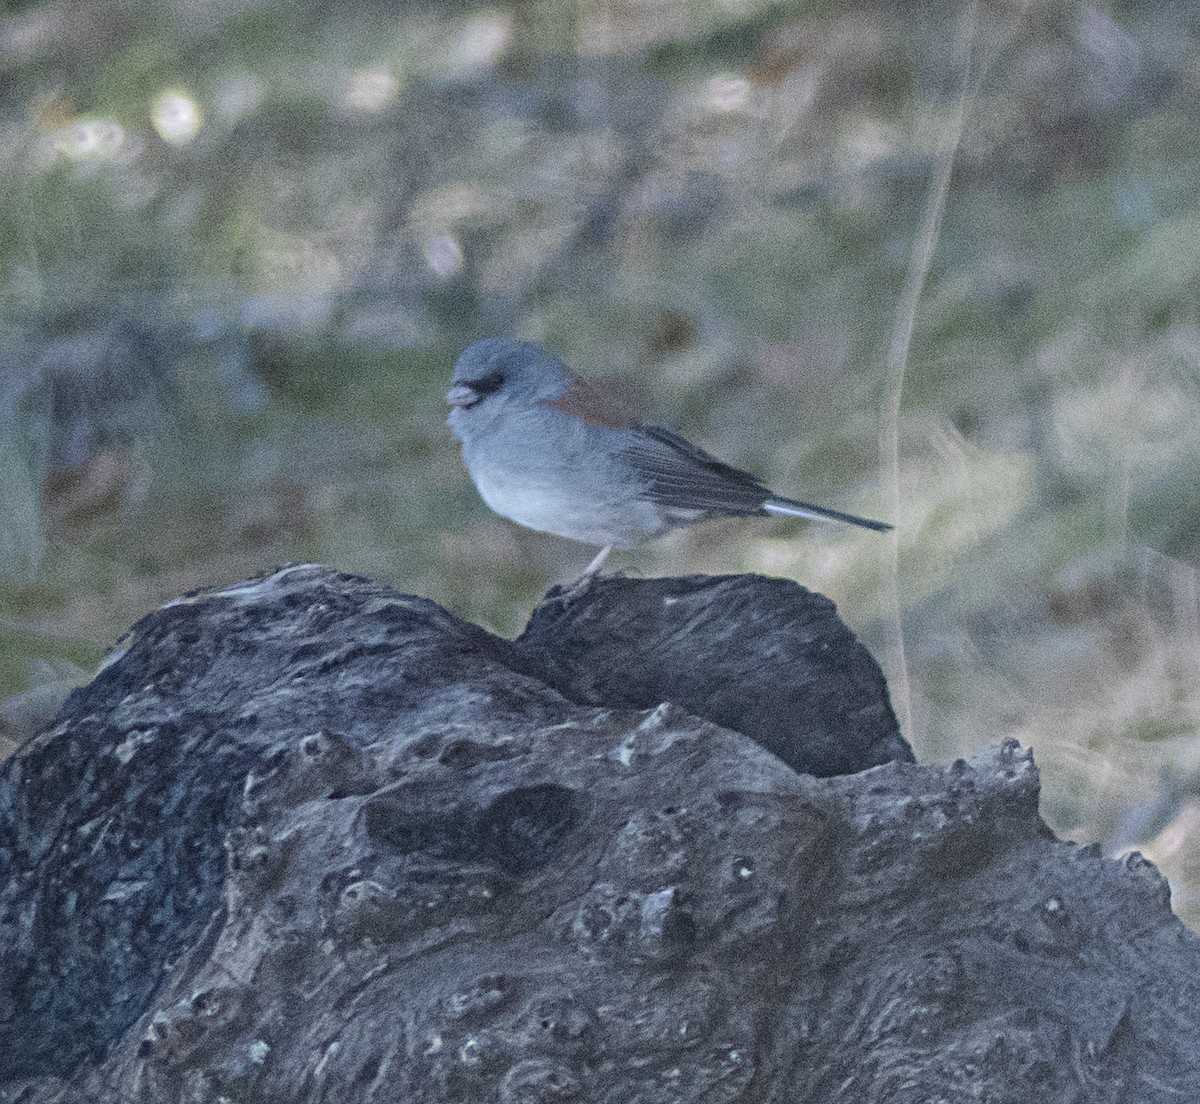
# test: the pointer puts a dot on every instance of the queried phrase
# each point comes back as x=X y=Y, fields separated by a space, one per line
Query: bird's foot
x=597 y=563
x=580 y=586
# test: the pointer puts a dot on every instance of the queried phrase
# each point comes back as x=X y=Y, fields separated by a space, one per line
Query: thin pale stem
x=897 y=363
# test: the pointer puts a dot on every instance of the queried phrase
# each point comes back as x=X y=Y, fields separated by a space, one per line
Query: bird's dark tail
x=790 y=508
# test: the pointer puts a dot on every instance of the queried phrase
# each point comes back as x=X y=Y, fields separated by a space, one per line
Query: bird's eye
x=485 y=385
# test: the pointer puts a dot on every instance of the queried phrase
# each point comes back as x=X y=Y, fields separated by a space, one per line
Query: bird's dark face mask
x=469 y=393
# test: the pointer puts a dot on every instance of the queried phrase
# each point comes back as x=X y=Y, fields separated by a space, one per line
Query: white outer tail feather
x=791 y=508
x=792 y=511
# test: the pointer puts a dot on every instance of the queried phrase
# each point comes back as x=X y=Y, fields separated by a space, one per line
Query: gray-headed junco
x=552 y=454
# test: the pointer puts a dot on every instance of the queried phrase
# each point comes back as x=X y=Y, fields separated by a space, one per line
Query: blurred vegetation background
x=242 y=242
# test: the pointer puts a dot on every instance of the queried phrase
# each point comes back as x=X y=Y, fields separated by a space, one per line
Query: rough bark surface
x=308 y=839
x=761 y=656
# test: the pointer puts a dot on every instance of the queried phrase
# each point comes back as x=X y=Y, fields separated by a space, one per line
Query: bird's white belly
x=576 y=509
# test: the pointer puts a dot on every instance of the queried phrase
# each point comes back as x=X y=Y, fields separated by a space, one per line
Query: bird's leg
x=579 y=586
x=597 y=563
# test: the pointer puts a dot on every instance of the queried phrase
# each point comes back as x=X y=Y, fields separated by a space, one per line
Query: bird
x=547 y=450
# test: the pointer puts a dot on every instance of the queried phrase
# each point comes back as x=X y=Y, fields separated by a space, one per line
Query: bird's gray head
x=499 y=369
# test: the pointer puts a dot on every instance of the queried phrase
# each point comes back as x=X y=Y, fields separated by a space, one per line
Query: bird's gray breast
x=557 y=474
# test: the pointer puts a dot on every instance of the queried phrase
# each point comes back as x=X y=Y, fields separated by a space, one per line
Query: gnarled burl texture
x=309 y=839
x=761 y=656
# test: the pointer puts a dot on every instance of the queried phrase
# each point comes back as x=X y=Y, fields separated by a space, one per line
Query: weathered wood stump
x=310 y=839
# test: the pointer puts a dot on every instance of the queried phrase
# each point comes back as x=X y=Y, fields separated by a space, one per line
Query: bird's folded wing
x=680 y=475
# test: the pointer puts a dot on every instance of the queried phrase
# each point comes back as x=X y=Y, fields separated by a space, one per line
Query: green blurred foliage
x=241 y=245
